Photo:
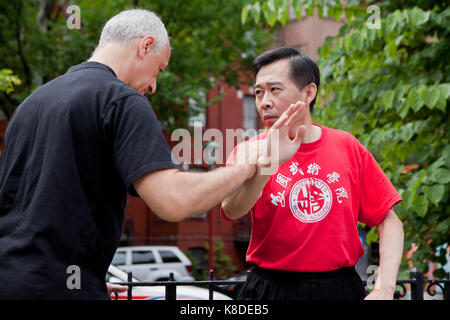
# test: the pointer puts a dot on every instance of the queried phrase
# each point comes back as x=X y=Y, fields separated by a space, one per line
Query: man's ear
x=146 y=45
x=311 y=91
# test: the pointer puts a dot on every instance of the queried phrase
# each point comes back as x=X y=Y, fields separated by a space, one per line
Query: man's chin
x=269 y=122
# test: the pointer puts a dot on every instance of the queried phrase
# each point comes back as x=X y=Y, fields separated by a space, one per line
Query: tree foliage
x=386 y=79
x=8 y=80
x=222 y=262
x=209 y=45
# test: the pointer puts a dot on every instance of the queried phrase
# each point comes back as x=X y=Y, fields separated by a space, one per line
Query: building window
x=250 y=115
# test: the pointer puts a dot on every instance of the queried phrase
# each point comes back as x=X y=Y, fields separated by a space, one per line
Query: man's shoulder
x=338 y=135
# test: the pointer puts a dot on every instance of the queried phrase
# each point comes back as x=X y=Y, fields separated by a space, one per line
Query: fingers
x=113 y=287
x=284 y=117
x=248 y=152
x=299 y=107
x=301 y=131
x=290 y=115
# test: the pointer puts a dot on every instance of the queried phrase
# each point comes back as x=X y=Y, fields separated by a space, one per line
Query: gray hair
x=133 y=23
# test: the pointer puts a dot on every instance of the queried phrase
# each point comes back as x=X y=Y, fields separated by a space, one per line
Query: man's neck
x=116 y=61
x=312 y=134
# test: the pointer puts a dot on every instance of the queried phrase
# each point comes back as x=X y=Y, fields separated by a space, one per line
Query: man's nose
x=266 y=102
x=153 y=87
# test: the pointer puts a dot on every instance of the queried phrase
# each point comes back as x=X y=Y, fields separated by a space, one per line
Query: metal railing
x=418 y=286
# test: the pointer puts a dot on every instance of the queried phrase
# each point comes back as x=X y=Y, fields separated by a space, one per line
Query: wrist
x=249 y=170
x=386 y=287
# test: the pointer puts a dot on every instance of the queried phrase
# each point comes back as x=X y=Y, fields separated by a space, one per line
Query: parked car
x=116 y=275
x=154 y=263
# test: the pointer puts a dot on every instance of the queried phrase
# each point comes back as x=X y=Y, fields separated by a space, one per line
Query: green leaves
x=244 y=13
x=388 y=99
x=420 y=206
x=418 y=17
x=273 y=11
x=433 y=96
x=372 y=236
x=440 y=175
x=430 y=96
x=434 y=193
x=297 y=8
x=8 y=80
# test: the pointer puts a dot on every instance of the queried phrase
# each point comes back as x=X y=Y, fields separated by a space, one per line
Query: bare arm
x=174 y=195
x=391 y=251
x=239 y=203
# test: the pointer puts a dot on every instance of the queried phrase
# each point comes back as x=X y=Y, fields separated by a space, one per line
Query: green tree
x=210 y=45
x=8 y=80
x=386 y=79
x=222 y=262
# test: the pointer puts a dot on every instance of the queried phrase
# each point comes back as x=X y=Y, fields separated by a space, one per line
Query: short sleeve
x=138 y=143
x=377 y=194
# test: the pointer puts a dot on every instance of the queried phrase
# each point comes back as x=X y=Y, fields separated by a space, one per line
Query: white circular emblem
x=310 y=200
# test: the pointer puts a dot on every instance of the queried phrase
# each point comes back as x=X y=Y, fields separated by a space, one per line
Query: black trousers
x=265 y=284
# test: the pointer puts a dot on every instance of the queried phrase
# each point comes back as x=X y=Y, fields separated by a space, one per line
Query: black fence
x=418 y=286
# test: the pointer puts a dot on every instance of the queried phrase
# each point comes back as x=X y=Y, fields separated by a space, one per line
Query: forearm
x=391 y=251
x=174 y=195
x=239 y=203
x=205 y=191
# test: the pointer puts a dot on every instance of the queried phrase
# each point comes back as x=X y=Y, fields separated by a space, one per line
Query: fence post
x=130 y=288
x=417 y=285
x=447 y=287
x=211 y=278
x=171 y=289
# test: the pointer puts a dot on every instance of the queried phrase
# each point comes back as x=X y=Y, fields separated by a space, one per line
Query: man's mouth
x=269 y=117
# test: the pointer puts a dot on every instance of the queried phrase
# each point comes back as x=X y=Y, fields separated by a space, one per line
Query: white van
x=154 y=263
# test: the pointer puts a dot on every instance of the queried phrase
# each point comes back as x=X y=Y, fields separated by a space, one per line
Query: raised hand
x=279 y=147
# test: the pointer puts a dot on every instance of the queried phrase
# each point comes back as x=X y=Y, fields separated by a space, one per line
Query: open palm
x=279 y=147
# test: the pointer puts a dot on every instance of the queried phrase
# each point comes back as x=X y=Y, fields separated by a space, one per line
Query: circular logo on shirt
x=310 y=200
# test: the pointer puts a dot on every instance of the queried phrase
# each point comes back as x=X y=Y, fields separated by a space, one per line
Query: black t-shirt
x=73 y=149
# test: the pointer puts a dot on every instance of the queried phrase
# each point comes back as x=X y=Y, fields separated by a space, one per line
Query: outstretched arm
x=174 y=195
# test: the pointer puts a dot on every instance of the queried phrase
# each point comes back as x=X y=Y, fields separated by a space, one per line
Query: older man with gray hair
x=74 y=149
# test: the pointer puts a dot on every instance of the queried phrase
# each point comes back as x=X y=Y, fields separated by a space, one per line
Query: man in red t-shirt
x=304 y=240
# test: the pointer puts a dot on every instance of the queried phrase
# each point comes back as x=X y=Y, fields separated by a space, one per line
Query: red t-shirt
x=306 y=218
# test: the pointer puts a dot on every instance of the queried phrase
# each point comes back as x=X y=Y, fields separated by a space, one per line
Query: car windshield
x=119 y=258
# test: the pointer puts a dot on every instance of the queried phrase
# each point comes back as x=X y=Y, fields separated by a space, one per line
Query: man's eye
x=275 y=89
x=258 y=92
